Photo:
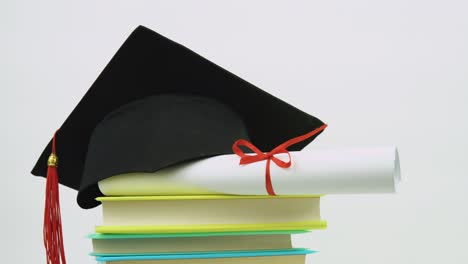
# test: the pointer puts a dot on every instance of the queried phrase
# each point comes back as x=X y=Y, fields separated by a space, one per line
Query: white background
x=378 y=72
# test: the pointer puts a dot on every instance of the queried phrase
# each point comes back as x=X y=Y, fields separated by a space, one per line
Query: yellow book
x=209 y=213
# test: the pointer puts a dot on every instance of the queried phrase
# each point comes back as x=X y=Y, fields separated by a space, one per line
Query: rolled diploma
x=321 y=171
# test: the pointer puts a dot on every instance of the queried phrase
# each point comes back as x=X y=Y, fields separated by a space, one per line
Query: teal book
x=294 y=256
x=138 y=244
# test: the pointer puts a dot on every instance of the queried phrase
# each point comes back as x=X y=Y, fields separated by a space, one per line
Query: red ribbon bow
x=270 y=156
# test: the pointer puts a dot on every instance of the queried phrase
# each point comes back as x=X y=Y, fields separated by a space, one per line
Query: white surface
x=378 y=72
x=313 y=171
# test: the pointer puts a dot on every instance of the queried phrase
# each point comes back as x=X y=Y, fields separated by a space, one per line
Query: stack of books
x=239 y=229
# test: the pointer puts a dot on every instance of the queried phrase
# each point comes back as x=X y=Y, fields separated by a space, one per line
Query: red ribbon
x=270 y=156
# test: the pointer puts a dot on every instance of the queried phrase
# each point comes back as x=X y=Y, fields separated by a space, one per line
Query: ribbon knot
x=270 y=156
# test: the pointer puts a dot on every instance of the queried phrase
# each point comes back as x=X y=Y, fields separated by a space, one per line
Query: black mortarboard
x=157 y=104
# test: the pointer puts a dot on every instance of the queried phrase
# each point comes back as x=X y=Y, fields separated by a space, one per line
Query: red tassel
x=53 y=239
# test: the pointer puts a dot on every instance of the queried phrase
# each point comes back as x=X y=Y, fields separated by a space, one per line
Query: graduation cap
x=158 y=104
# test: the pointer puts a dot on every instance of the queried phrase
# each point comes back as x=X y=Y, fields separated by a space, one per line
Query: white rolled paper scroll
x=314 y=171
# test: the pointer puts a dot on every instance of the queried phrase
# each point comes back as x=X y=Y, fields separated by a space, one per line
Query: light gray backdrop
x=378 y=72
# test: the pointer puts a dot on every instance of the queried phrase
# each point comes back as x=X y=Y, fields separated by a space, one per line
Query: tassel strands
x=53 y=238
